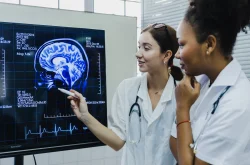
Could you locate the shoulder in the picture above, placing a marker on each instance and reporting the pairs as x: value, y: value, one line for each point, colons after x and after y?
x: 242, y: 87
x: 128, y: 86
x: 131, y: 82
x: 237, y: 99
x: 243, y: 82
x: 240, y: 91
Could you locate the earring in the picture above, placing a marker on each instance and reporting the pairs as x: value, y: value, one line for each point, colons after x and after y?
x: 169, y: 70
x: 207, y: 52
x: 165, y: 62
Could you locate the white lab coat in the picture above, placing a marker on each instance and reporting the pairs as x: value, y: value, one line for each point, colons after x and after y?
x: 153, y: 148
x: 226, y: 138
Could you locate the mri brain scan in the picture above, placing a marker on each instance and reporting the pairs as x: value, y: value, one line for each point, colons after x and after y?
x: 61, y: 63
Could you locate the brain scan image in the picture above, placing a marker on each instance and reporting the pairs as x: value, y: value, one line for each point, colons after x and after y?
x: 61, y: 63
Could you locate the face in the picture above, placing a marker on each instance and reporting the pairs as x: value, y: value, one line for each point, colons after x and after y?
x: 149, y: 57
x: 190, y: 52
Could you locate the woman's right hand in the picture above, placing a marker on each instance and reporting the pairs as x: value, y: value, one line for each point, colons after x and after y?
x: 78, y: 105
x: 187, y: 92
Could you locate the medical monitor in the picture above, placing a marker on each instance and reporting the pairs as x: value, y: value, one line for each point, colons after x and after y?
x: 35, y: 61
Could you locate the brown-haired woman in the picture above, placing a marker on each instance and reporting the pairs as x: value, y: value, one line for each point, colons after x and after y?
x: 143, y: 108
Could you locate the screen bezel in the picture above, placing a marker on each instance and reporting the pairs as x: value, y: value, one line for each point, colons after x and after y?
x: 60, y: 147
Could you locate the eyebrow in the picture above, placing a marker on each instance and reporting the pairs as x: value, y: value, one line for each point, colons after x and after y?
x: 145, y: 44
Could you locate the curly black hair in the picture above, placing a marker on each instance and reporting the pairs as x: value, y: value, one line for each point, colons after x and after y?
x: 222, y: 18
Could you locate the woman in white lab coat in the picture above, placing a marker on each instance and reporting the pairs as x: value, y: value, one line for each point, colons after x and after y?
x: 213, y: 110
x: 143, y: 108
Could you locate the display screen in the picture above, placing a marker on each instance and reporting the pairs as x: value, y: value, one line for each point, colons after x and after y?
x: 36, y: 60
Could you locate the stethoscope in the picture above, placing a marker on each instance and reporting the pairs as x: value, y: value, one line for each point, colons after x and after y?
x: 135, y: 108
x: 215, y: 105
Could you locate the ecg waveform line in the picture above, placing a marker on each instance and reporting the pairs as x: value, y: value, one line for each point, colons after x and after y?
x: 55, y: 131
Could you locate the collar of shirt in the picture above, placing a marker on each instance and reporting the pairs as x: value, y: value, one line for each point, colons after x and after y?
x: 166, y: 94
x: 229, y: 75
x: 146, y: 104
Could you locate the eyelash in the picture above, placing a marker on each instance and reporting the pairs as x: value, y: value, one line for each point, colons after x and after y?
x: 145, y: 48
x: 181, y: 46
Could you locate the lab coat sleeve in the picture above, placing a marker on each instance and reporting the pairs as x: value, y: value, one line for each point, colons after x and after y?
x: 116, y: 118
x: 174, y: 130
x: 227, y: 134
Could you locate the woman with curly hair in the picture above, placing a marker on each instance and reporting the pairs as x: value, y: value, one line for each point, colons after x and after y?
x: 213, y: 100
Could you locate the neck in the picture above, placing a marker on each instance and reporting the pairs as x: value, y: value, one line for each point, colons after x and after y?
x: 157, y: 82
x: 218, y: 65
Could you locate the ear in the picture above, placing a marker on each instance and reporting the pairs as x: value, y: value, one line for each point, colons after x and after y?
x: 211, y: 43
x: 168, y: 55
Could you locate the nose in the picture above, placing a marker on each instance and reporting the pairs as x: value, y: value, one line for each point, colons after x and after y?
x: 138, y: 54
x: 177, y: 54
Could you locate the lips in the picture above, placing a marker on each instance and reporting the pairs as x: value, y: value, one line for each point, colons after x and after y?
x: 141, y: 62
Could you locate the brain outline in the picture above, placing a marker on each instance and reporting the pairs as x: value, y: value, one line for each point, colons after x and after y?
x: 65, y: 57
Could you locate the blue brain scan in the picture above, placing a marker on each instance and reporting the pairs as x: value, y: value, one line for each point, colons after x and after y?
x: 61, y: 63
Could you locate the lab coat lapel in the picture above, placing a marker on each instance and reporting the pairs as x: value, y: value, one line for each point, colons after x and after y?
x: 142, y: 93
x: 166, y: 96
x: 227, y: 77
x: 206, y: 104
x: 143, y: 97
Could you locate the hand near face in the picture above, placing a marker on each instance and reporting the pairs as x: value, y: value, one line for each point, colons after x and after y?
x: 187, y: 92
x: 78, y: 105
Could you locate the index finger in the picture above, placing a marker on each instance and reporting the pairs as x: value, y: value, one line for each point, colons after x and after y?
x: 79, y: 95
x: 190, y: 80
